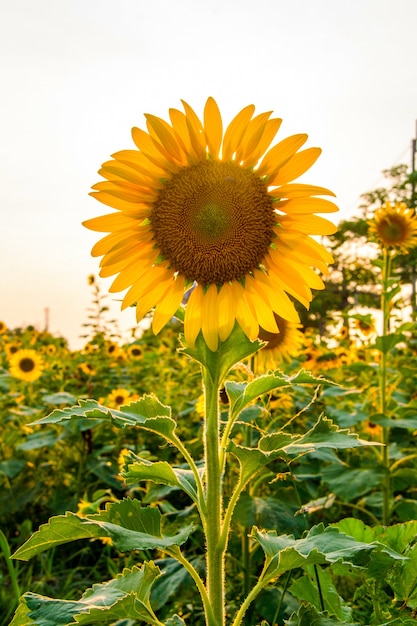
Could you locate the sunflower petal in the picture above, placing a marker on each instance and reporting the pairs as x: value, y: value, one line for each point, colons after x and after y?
x: 213, y: 127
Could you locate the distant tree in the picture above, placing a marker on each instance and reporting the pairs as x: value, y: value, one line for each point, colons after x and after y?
x: 353, y: 277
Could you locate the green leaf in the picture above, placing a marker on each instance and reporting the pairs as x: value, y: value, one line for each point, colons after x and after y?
x: 126, y: 596
x: 404, y: 580
x: 61, y: 397
x: 160, y: 472
x: 306, y: 589
x: 242, y: 394
x: 126, y: 523
x: 385, y: 343
x: 148, y: 413
x: 284, y: 553
x: 307, y: 615
x: 350, y: 483
x: 324, y: 434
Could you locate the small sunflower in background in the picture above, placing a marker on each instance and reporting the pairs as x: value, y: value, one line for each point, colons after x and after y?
x: 26, y: 365
x: 119, y: 397
x: 87, y: 368
x: 217, y: 211
x: 394, y: 226
x: 281, y: 346
x: 12, y: 348
x: 134, y: 351
x: 365, y: 324
x: 3, y: 327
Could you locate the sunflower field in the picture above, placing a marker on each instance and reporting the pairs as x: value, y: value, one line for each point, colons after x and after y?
x: 248, y: 459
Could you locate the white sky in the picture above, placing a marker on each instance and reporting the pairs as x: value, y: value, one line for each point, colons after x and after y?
x: 76, y: 75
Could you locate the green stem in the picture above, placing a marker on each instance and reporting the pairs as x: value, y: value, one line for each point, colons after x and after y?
x: 12, y: 571
x: 262, y: 582
x: 386, y: 484
x: 201, y: 504
x: 215, y: 552
x: 178, y: 555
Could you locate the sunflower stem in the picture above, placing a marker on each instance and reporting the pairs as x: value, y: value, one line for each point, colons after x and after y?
x: 215, y: 549
x: 386, y: 481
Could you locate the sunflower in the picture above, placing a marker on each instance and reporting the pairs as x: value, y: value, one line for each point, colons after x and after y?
x: 217, y: 211
x: 26, y: 365
x: 120, y: 396
x: 365, y: 324
x: 87, y: 369
x: 134, y: 351
x: 3, y: 327
x: 280, y: 346
x: 394, y: 226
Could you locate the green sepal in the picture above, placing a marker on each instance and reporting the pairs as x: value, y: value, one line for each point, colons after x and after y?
x: 129, y: 525
x: 126, y: 596
x: 237, y: 347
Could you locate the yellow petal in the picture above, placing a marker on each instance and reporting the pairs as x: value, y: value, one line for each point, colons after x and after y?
x: 299, y: 206
x: 270, y: 130
x: 213, y: 127
x: 110, y: 222
x: 308, y: 224
x: 245, y: 312
x: 209, y: 318
x: 278, y: 155
x: 166, y: 309
x: 276, y: 299
x: 235, y: 131
x: 195, y: 130
x: 252, y: 136
x: 300, y: 190
x: 116, y: 203
x: 192, y: 319
x: 298, y: 164
x: 166, y: 136
x: 226, y: 310
x: 136, y: 160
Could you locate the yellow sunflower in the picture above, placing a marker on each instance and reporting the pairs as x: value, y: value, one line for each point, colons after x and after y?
x: 216, y: 211
x: 394, y: 226
x: 26, y: 364
x: 281, y: 346
x: 365, y: 324
x: 134, y: 351
x: 3, y: 327
x: 120, y: 396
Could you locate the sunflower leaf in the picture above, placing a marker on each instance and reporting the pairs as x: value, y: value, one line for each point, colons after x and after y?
x: 321, y: 545
x: 148, y: 413
x: 126, y: 523
x: 160, y: 472
x: 126, y: 596
x: 324, y: 434
x: 242, y: 394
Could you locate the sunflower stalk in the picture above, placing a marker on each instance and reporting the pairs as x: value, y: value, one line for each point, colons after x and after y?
x: 215, y: 549
x: 385, y: 306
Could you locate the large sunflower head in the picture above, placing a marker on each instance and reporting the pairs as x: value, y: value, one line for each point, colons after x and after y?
x: 394, y: 226
x: 218, y: 211
x: 26, y: 365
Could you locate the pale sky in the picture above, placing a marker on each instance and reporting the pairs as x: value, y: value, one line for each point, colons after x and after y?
x: 76, y: 75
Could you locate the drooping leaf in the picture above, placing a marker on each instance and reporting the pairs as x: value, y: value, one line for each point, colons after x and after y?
x: 305, y: 588
x: 126, y: 596
x: 148, y: 413
x: 126, y: 523
x: 308, y: 615
x: 404, y: 579
x: 242, y: 394
x: 160, y: 472
x: 320, y: 545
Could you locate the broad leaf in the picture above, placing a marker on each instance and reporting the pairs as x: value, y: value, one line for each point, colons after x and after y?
x: 242, y: 394
x: 161, y: 472
x: 306, y: 589
x: 126, y: 596
x: 148, y: 413
x: 307, y: 615
x: 126, y: 523
x: 404, y: 580
x: 284, y: 553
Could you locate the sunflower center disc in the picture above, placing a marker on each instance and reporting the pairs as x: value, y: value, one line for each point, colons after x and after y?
x: 392, y: 231
x: 213, y: 222
x: 26, y: 365
x: 274, y: 339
